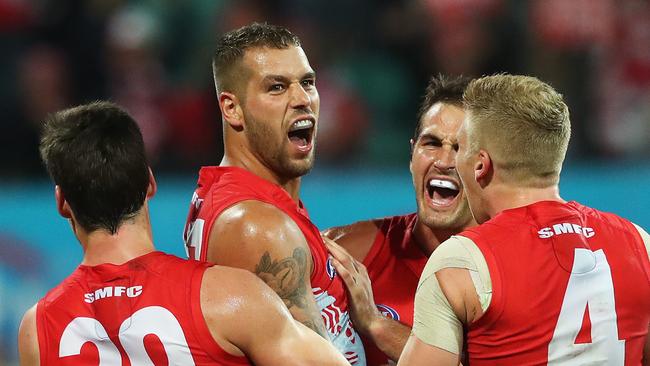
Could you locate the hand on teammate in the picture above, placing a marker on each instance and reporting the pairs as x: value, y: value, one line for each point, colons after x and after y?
x: 363, y: 310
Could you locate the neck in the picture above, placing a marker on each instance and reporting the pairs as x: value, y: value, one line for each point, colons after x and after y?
x: 133, y: 239
x: 255, y: 166
x: 503, y: 197
x: 428, y: 239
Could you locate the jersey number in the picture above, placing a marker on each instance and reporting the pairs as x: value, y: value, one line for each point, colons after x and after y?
x: 154, y: 320
x: 590, y: 287
x: 194, y: 239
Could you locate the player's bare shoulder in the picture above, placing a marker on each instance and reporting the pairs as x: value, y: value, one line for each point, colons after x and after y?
x: 252, y: 215
x: 356, y: 238
x: 28, y: 339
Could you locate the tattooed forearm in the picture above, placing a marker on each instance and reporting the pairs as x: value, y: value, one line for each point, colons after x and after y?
x: 286, y: 276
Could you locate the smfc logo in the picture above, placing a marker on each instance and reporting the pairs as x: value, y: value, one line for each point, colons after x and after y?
x: 566, y: 228
x: 388, y: 312
x: 329, y: 268
x: 112, y: 291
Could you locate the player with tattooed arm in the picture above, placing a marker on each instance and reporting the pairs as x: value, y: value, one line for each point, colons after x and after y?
x: 247, y: 212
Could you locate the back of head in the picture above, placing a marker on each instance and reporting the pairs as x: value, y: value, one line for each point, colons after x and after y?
x: 95, y: 154
x: 226, y: 63
x: 524, y: 125
x: 441, y: 89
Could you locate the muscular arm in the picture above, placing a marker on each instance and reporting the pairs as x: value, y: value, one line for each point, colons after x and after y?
x: 458, y: 305
x: 262, y: 239
x: 28, y: 340
x: 352, y: 244
x: 447, y: 299
x: 246, y: 317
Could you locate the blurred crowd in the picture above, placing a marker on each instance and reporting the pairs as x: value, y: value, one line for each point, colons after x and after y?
x: 373, y: 59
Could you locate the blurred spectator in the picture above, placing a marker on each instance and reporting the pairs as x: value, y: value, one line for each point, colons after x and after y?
x: 623, y: 81
x: 372, y: 59
x: 136, y: 77
x: 42, y: 88
x: 343, y: 123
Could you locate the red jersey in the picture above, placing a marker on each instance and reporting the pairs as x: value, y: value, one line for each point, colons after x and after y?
x: 394, y: 265
x: 222, y: 187
x: 571, y: 286
x: 143, y: 312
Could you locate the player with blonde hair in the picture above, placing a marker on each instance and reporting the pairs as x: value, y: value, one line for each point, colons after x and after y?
x: 540, y: 280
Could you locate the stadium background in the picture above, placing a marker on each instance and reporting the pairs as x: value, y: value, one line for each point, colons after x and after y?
x: 373, y: 59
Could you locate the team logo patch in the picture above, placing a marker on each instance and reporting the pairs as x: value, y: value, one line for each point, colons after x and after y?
x: 388, y: 312
x: 329, y: 267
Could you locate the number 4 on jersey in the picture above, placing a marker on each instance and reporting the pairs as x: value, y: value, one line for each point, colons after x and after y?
x: 590, y: 289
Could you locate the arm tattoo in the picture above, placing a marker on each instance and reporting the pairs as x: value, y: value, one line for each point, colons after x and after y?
x: 286, y: 276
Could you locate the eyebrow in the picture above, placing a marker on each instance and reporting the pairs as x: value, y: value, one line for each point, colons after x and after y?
x: 284, y: 79
x: 427, y: 135
x: 435, y: 137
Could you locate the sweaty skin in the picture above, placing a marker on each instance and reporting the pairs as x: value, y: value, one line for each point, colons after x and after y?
x: 279, y: 91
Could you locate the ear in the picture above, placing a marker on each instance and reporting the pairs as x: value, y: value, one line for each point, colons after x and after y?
x: 231, y: 110
x: 153, y: 187
x: 483, y: 168
x: 412, y: 146
x: 61, y: 204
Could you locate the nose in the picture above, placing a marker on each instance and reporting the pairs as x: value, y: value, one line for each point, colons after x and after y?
x: 446, y: 159
x: 299, y: 96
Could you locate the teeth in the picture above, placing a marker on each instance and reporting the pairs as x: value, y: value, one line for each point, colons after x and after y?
x: 437, y: 183
x: 301, y: 125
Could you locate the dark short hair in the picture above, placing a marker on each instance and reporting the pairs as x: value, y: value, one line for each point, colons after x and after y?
x: 444, y: 89
x: 232, y: 45
x: 95, y: 154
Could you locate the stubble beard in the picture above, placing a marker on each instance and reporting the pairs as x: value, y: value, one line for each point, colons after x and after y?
x: 455, y: 220
x: 261, y: 138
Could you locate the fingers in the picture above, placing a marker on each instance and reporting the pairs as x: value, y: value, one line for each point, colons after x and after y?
x: 344, y: 273
x: 345, y: 263
x: 341, y: 255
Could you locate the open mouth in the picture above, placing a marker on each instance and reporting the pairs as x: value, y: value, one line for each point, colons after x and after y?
x: 301, y: 133
x: 442, y: 192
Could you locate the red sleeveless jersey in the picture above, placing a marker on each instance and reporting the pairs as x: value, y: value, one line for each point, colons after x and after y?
x: 571, y: 286
x: 394, y: 265
x: 222, y: 187
x: 143, y: 312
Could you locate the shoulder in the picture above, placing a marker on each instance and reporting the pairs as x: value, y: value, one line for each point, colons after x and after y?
x: 255, y: 213
x: 28, y: 338
x: 360, y: 230
x: 251, y: 231
x: 457, y: 252
x: 256, y: 220
x: 356, y: 238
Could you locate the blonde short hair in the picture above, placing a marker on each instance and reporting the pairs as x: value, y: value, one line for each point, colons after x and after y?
x: 524, y: 125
